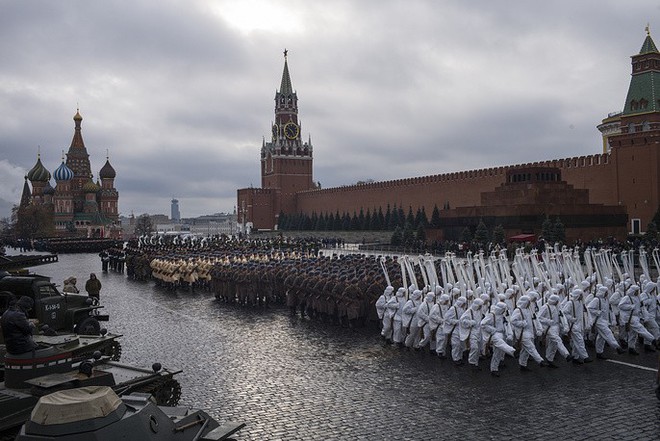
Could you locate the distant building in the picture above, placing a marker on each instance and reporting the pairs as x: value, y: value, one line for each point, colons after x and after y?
x: 176, y: 215
x: 79, y: 205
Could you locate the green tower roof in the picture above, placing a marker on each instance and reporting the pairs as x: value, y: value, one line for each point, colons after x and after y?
x: 642, y: 94
x: 648, y: 46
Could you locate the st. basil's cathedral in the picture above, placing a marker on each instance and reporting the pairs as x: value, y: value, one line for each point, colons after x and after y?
x: 79, y: 205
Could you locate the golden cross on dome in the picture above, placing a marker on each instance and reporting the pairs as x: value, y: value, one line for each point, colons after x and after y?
x: 285, y: 52
x: 648, y: 29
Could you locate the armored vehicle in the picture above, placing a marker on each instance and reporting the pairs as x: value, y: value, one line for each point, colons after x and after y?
x: 64, y: 363
x: 61, y: 312
x: 97, y: 413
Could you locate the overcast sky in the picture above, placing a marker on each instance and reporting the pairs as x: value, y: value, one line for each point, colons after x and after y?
x: 181, y: 92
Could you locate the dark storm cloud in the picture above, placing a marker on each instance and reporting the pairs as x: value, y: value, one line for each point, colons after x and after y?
x: 181, y: 93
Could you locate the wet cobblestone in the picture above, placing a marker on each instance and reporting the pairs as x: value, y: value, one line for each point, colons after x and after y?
x: 295, y: 379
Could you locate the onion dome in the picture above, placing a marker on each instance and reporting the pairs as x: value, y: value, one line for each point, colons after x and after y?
x: 63, y: 173
x: 38, y: 173
x: 90, y: 187
x: 107, y: 172
x: 48, y: 189
x: 77, y: 116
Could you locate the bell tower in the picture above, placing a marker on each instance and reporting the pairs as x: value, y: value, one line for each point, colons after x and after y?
x: 286, y: 161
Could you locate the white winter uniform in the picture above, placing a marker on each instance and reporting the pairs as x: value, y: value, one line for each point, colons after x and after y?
x: 470, y: 330
x: 574, y: 311
x: 437, y: 321
x: 424, y: 322
x: 524, y: 331
x: 450, y: 328
x: 550, y: 319
x: 396, y: 304
x: 630, y: 310
x: 602, y: 316
x: 493, y: 333
x: 649, y: 307
x: 381, y: 310
x: 410, y: 319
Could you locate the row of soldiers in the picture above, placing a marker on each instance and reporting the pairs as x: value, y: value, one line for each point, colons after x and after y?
x: 336, y: 288
x: 497, y: 319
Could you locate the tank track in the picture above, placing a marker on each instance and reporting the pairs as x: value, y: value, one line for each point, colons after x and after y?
x: 166, y: 391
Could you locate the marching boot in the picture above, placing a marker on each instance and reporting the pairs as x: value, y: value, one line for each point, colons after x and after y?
x: 649, y: 348
x: 633, y: 351
x: 600, y: 356
x: 524, y: 369
x: 494, y: 374
x: 620, y: 350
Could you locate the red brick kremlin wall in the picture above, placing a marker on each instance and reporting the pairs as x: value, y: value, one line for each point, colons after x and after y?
x: 595, y: 173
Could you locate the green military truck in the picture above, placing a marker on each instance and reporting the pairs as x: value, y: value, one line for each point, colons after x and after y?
x: 62, y: 312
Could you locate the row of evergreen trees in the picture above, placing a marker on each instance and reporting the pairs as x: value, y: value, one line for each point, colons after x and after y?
x: 374, y: 220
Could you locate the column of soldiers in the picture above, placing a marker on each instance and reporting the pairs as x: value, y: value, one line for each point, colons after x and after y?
x: 481, y: 305
x: 486, y: 306
x: 339, y: 289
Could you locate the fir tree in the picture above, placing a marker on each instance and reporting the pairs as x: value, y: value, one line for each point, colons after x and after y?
x: 466, y: 235
x: 360, y: 220
x: 402, y: 217
x: 408, y: 235
x: 435, y: 217
x: 481, y: 234
x: 498, y: 234
x: 651, y: 231
x: 420, y: 234
x: 346, y: 222
x: 382, y: 224
x: 368, y: 218
x: 387, y: 224
x: 410, y: 218
x: 394, y: 219
x: 548, y: 230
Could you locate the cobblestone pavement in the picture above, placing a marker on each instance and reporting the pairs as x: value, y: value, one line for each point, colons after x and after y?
x: 296, y: 379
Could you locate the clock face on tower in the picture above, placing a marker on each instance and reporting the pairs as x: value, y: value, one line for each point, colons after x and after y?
x: 291, y: 130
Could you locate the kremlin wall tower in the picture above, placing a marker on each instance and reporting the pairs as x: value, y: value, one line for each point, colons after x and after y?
x: 79, y: 205
x: 608, y: 194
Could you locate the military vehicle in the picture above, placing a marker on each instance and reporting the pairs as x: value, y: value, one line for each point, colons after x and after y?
x: 97, y: 413
x: 60, y: 311
x: 64, y: 363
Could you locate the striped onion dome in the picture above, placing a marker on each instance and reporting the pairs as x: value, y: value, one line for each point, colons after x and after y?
x: 38, y: 173
x: 63, y: 173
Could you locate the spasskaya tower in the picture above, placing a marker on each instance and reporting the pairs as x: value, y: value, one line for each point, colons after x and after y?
x: 286, y: 164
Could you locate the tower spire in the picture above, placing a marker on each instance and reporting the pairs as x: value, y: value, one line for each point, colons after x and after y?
x: 286, y: 88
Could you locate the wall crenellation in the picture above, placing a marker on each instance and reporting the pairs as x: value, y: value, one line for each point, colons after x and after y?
x: 598, y: 159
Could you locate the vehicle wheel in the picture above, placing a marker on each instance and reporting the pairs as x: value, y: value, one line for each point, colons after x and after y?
x: 88, y: 326
x: 113, y: 350
x: 168, y: 393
